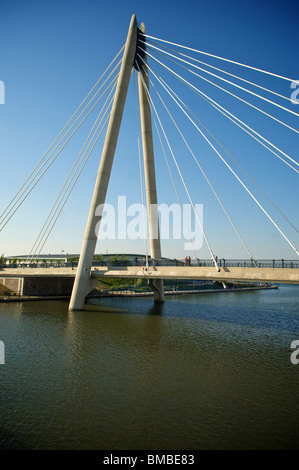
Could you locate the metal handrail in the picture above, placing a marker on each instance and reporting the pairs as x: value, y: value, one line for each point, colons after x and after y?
x: 275, y: 263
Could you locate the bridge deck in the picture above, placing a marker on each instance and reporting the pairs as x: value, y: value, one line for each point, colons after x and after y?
x: 281, y: 275
x: 249, y: 274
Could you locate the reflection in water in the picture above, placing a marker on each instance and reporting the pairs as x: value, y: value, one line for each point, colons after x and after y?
x: 156, y: 309
x: 197, y: 372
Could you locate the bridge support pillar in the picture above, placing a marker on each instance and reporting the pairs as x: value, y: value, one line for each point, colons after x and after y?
x: 82, y: 280
x: 157, y: 287
x: 150, y: 178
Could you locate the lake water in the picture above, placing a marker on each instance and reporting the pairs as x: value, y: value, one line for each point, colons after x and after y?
x: 209, y: 371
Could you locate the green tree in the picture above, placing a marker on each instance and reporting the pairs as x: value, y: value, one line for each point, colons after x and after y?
x: 117, y: 260
x: 124, y: 261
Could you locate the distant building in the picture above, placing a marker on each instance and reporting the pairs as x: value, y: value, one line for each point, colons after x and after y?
x: 67, y: 257
x: 24, y: 259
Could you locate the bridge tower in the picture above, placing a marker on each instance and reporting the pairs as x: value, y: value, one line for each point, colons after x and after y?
x: 83, y: 283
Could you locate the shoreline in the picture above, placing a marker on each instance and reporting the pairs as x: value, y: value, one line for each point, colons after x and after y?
x: 15, y: 298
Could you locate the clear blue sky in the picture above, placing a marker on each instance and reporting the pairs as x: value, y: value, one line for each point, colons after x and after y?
x: 51, y: 54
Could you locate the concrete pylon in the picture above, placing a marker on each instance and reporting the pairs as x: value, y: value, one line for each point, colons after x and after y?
x: 82, y: 284
x: 150, y: 176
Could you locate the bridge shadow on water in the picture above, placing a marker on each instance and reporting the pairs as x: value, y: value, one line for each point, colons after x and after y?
x: 274, y: 309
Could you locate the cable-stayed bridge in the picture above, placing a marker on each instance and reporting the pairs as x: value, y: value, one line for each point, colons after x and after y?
x: 153, y: 59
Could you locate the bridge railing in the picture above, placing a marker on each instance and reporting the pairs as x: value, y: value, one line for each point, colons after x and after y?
x: 239, y: 263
